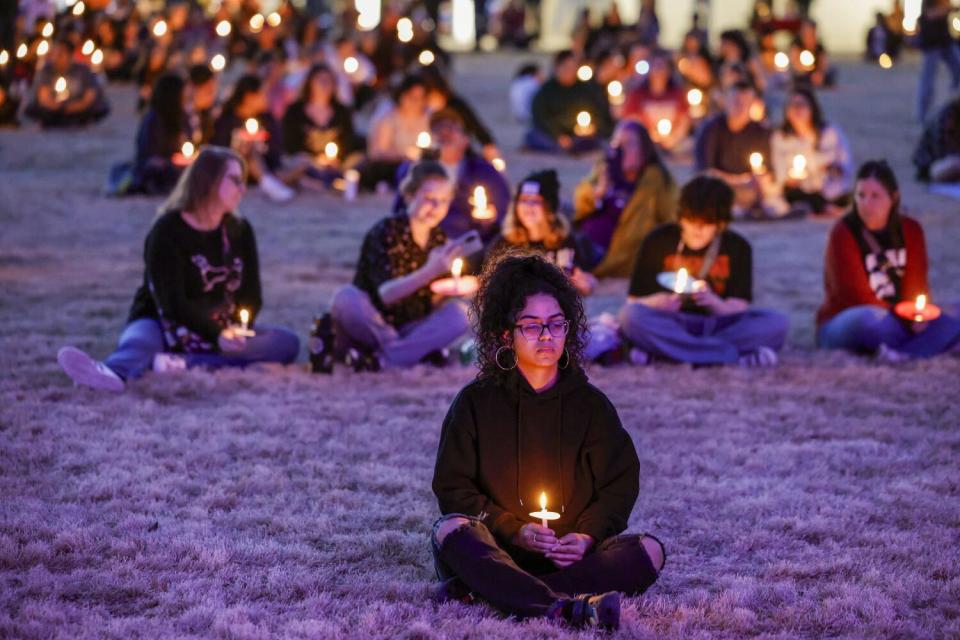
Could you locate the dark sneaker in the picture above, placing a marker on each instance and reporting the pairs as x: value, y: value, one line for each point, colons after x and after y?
x: 439, y: 358
x: 321, y: 345
x: 362, y: 360
x: 453, y: 590
x: 600, y: 611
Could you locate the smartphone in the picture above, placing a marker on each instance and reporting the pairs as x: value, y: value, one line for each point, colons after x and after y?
x: 470, y: 242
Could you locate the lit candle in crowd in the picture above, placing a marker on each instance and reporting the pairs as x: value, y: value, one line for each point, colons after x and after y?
x: 244, y: 320
x: 97, y: 58
x: 694, y: 97
x: 455, y: 270
x: 758, y: 110
x: 87, y: 47
x: 781, y: 60
x: 60, y: 87
x: 544, y: 516
x: 274, y: 19
x: 256, y: 22
x: 43, y: 48
x: 79, y: 8
x: 426, y: 57
x: 404, y: 30
x: 187, y: 149
x: 159, y: 29
x: 252, y: 126
x: 351, y: 65
x: 642, y: 67
x: 47, y: 30
x: 584, y: 73
x: 583, y: 127
x: 680, y: 286
x: 224, y: 28
x: 331, y: 150
x: 756, y: 162
x: 499, y: 164
x: 22, y: 51
x: 4, y: 57
x: 885, y: 61
x: 351, y: 184
x: 798, y: 168
x: 218, y: 62
x: 664, y: 127
x: 807, y: 59
x: 919, y: 306
x: 615, y: 89
x: 481, y: 206
x: 423, y: 140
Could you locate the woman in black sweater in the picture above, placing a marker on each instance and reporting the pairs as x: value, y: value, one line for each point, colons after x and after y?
x: 317, y: 118
x: 162, y: 132
x: 532, y: 431
x: 201, y: 285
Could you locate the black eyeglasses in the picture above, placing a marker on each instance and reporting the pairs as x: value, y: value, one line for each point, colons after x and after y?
x: 534, y: 330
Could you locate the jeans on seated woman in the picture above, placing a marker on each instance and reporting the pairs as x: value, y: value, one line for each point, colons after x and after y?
x: 865, y: 328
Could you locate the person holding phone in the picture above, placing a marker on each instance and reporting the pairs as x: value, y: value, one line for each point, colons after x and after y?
x: 389, y: 317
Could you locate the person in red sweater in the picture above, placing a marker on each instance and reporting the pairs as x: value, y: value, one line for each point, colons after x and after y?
x: 875, y: 258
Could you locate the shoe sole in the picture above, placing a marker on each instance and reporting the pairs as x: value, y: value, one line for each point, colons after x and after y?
x: 608, y: 612
x: 82, y: 369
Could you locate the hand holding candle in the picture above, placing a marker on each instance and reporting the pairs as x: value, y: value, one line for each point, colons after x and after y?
x: 185, y: 155
x: 482, y: 210
x: 584, y: 124
x: 756, y: 163
x: 244, y: 329
x: 543, y: 515
x: 798, y: 168
x: 919, y: 311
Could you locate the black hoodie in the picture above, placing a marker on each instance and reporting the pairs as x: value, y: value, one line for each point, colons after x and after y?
x: 502, y: 444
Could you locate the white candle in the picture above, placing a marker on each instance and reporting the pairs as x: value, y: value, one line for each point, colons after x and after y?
x: 499, y: 164
x: 481, y: 206
x: 224, y: 28
x: 60, y: 86
x: 426, y: 57
x: 274, y: 19
x: 244, y: 319
x: 756, y: 162
x: 331, y: 150
x: 781, y: 60
x: 423, y: 140
x: 584, y: 73
x: 351, y: 64
x: 680, y: 286
x: 544, y: 515
x: 456, y: 269
x: 694, y: 97
x: 252, y: 126
x: 798, y: 169
x: 919, y: 307
x: 159, y: 29
x: 664, y: 127
x: 807, y: 59
x: 218, y: 62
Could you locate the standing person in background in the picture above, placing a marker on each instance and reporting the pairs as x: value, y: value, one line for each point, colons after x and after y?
x: 556, y: 107
x: 875, y: 258
x: 938, y: 46
x: 201, y: 270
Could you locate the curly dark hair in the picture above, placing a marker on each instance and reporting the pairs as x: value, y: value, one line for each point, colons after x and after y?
x: 505, y: 284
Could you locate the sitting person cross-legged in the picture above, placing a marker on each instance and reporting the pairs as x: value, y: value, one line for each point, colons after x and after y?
x: 66, y: 93
x: 389, y: 316
x: 875, y: 258
x: 531, y: 433
x: 715, y: 324
x: 202, y: 273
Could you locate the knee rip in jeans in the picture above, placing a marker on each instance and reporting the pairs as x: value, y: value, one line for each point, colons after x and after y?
x: 448, y: 526
x: 655, y: 550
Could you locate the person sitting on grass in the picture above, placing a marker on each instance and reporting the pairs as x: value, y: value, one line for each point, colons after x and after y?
x: 394, y: 133
x: 557, y: 105
x: 714, y: 323
x: 163, y: 130
x: 937, y: 156
x: 875, y: 258
x: 660, y: 104
x: 389, y: 316
x: 629, y: 192
x: 202, y: 270
x: 532, y: 432
x: 202, y: 89
x: 533, y: 224
x: 66, y: 93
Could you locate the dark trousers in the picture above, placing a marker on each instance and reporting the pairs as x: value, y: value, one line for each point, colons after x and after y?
x: 473, y: 554
x: 51, y: 119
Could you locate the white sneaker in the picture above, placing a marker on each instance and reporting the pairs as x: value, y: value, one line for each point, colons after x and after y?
x: 275, y: 189
x: 890, y: 355
x: 84, y: 370
x: 168, y: 363
x: 762, y: 358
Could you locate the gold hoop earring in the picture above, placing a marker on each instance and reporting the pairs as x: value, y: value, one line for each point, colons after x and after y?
x: 567, y: 363
x: 496, y: 358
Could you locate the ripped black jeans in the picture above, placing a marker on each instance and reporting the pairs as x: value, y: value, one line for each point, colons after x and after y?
x: 527, y: 584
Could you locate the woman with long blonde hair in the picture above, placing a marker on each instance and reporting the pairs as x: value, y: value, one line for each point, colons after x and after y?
x: 201, y: 287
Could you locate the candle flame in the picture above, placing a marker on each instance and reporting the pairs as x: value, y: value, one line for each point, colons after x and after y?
x: 756, y: 160
x: 426, y: 57
x: 274, y: 19
x: 480, y: 198
x: 807, y: 58
x: 615, y: 89
x: 330, y: 150
x: 921, y: 303
x: 423, y: 140
x: 681, y: 284
x: 187, y: 149
x: 781, y: 60
x: 159, y: 29
x: 256, y: 22
x: 97, y: 57
x: 42, y: 48
x: 351, y: 64
x: 664, y: 127
x: 499, y: 164
x: 695, y: 97
x: 218, y: 62
x: 87, y: 48
x: 584, y: 73
x: 224, y: 28
x: 244, y: 317
x: 47, y: 30
x: 4, y: 57
x: 60, y: 85
x: 78, y: 9
x: 885, y: 61
x: 22, y: 51
x: 583, y: 119
x: 543, y: 500
x: 799, y: 163
x: 404, y: 30
x: 642, y: 67
x: 252, y: 126
x: 457, y: 267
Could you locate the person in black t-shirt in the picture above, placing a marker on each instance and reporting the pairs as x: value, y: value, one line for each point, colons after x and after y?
x: 201, y: 284
x: 724, y: 147
x: 533, y: 224
x: 389, y: 316
x: 716, y: 323
x: 161, y: 134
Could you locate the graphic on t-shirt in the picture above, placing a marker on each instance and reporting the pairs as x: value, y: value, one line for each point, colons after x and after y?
x: 717, y: 276
x: 211, y: 276
x: 878, y: 271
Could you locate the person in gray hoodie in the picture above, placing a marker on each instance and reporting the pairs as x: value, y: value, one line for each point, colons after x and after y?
x: 531, y: 432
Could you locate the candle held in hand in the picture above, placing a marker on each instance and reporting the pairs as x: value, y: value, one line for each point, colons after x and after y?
x: 756, y: 162
x: 543, y: 515
x: 331, y: 150
x: 798, y: 169
x: 481, y: 206
x: 244, y: 319
x: 919, y: 307
x: 456, y: 269
x: 252, y: 126
x: 681, y: 284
